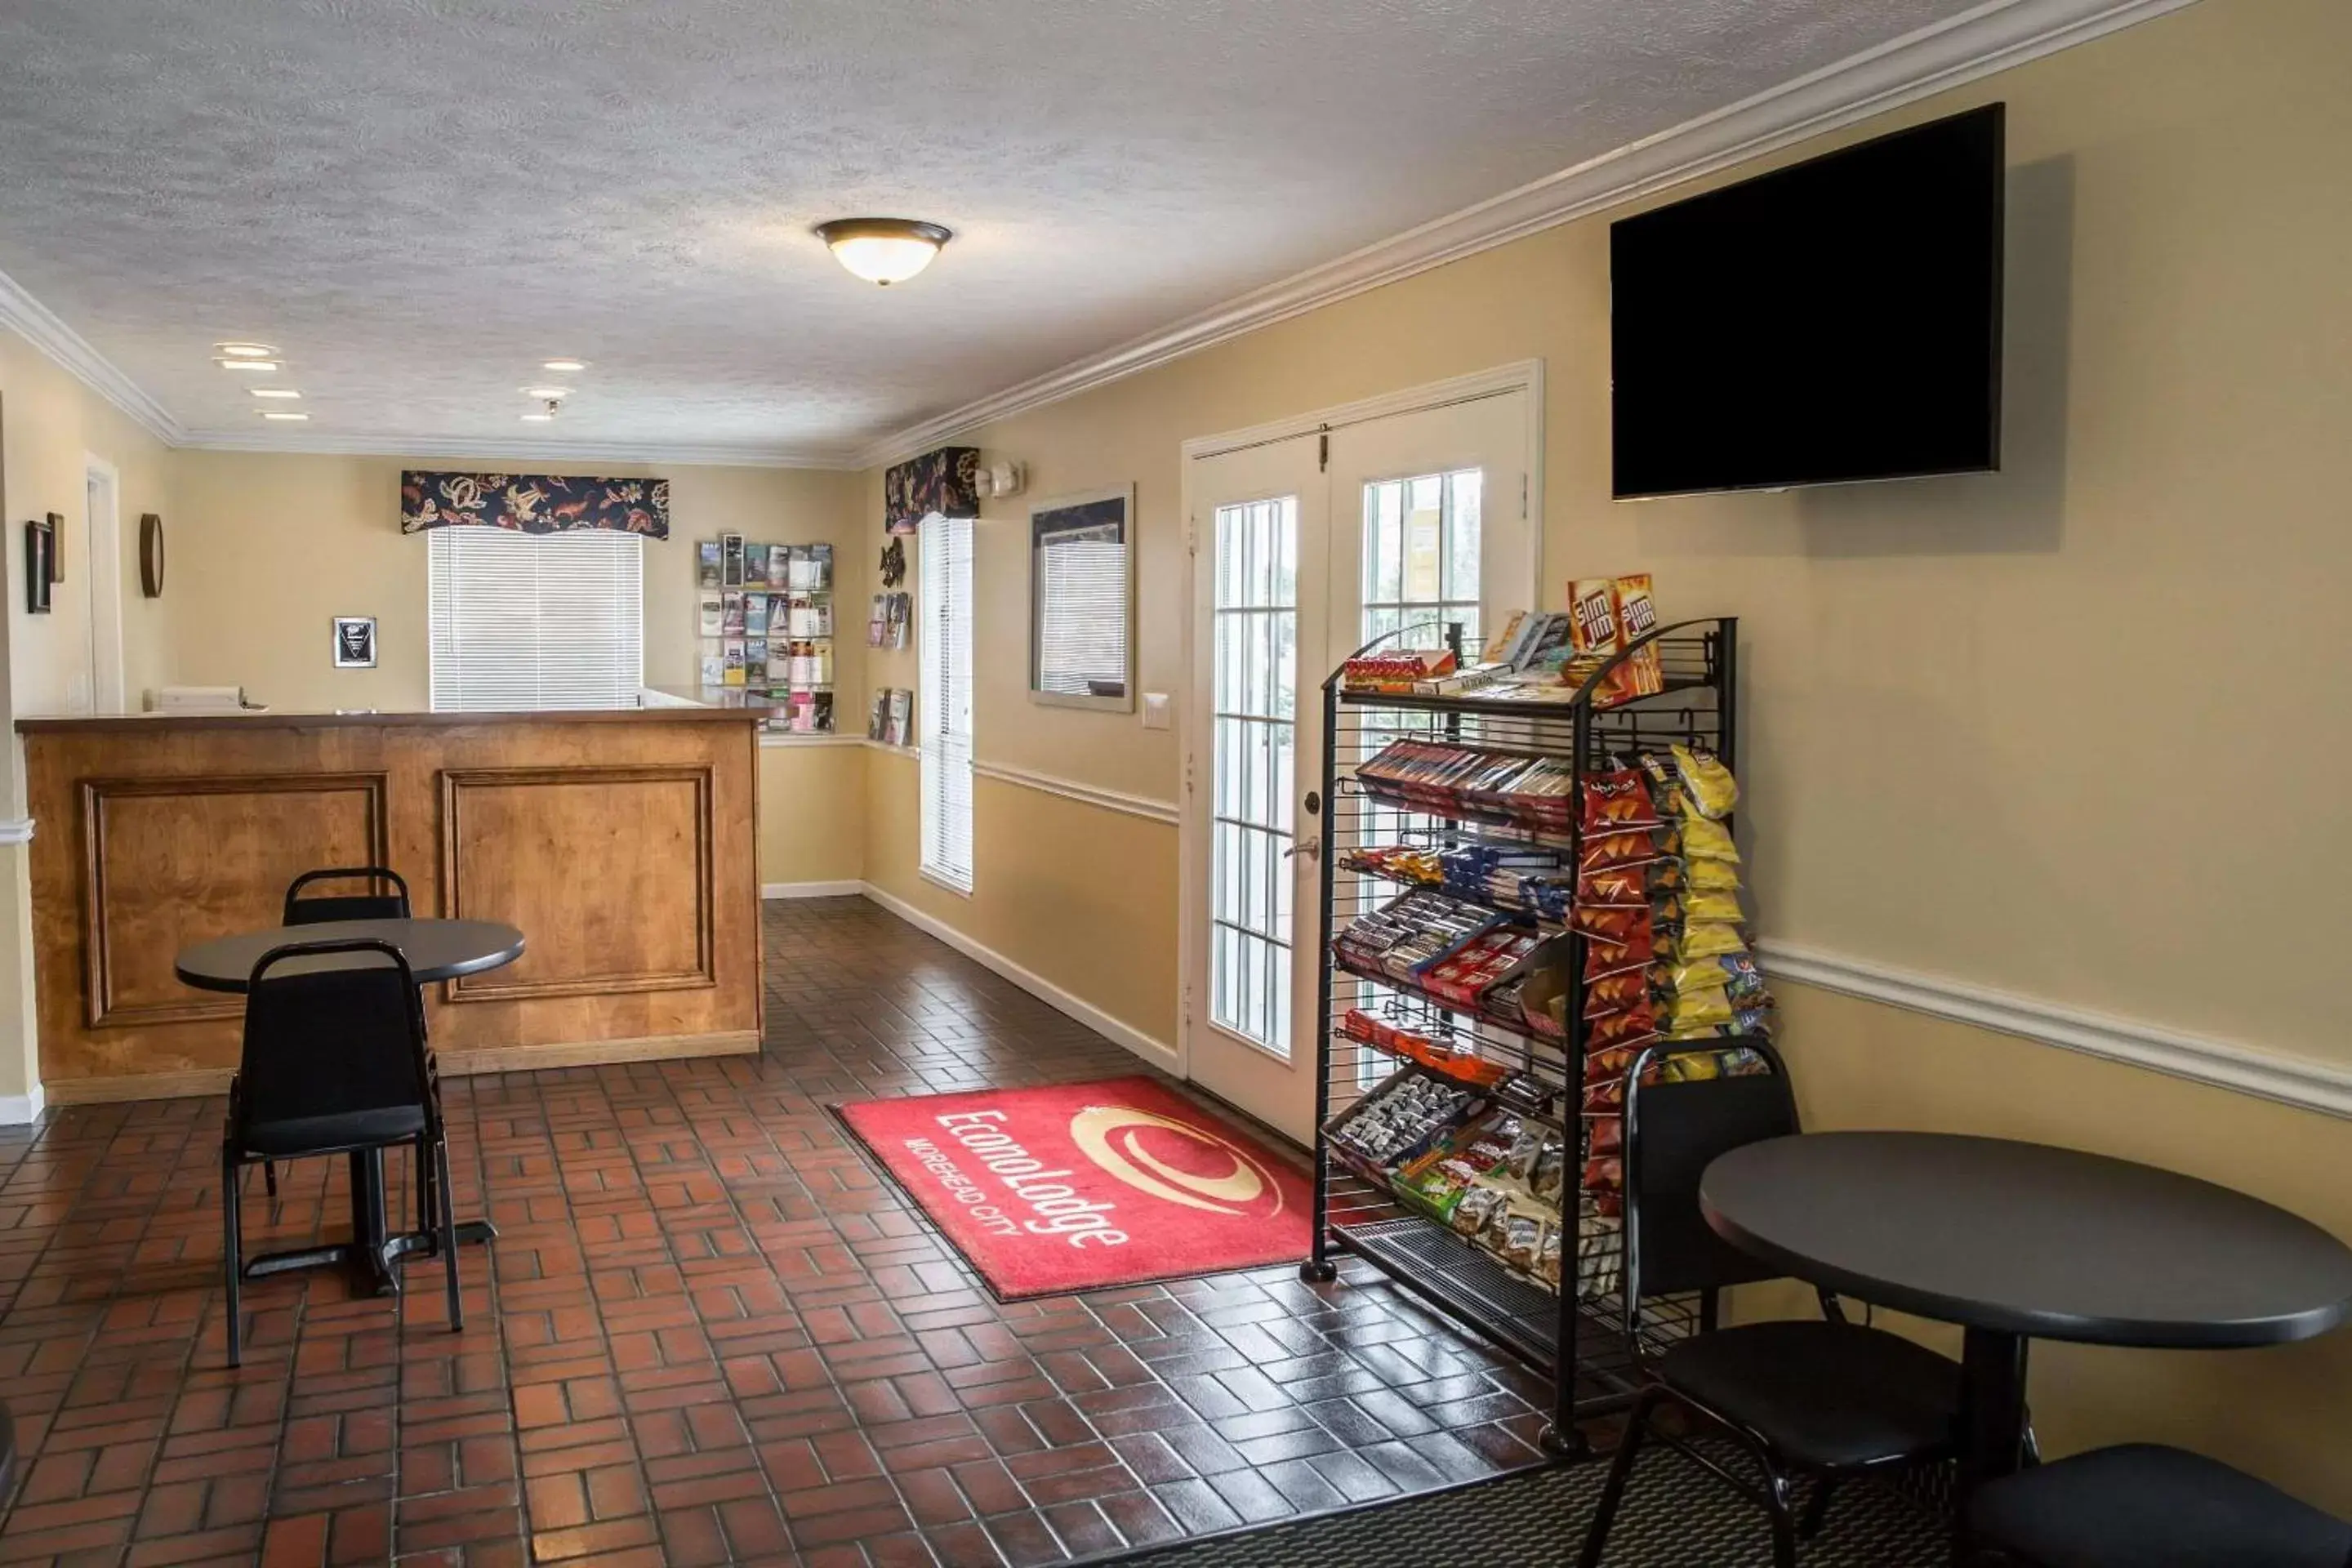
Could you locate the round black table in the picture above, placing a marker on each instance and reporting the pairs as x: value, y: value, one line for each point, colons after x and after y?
x: 2017, y: 1241
x: 435, y: 950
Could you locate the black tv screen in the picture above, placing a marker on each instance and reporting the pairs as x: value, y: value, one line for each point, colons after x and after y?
x: 1838, y: 320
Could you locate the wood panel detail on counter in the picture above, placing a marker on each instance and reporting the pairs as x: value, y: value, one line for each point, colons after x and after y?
x: 624, y: 850
x: 607, y: 869
x: 170, y: 861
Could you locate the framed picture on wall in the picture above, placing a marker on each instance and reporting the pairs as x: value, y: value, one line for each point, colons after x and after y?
x: 354, y: 642
x: 1082, y: 600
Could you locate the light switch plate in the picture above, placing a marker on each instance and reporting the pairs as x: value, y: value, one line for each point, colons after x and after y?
x: 1155, y: 710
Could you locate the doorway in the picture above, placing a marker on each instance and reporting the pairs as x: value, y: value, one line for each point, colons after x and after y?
x: 1308, y: 539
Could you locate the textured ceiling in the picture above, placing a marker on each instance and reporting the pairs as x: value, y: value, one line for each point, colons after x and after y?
x: 418, y: 200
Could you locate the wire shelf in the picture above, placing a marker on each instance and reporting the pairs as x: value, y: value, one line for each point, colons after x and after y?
x: 1577, y: 1327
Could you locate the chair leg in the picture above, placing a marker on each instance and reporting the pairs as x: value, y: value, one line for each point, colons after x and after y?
x: 1637, y: 1426
x: 423, y: 1156
x: 448, y: 1217
x: 232, y: 1250
x: 1810, y: 1524
x: 1784, y: 1525
x: 269, y: 1177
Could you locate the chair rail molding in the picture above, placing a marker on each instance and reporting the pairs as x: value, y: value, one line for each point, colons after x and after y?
x: 15, y: 830
x: 1989, y: 37
x: 2304, y: 1082
x: 1140, y: 805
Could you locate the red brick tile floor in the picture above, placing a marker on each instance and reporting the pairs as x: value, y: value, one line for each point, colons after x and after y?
x: 708, y: 1333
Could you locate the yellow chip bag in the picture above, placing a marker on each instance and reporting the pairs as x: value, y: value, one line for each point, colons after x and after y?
x: 1717, y: 905
x: 1707, y: 839
x: 1707, y: 784
x: 1712, y: 875
x: 1708, y: 939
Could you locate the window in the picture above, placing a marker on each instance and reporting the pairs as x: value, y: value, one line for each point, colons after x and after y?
x: 1081, y: 582
x: 945, y: 680
x: 1420, y: 556
x: 523, y: 621
x: 1254, y: 650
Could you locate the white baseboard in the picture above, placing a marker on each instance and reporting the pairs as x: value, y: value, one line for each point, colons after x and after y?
x: 2301, y: 1081
x: 22, y: 1109
x: 1158, y: 1053
x: 849, y: 890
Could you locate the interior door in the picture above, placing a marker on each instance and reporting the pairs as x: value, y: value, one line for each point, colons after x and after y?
x: 1259, y: 525
x: 1303, y: 550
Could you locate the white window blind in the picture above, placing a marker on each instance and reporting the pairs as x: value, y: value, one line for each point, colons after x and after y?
x: 945, y: 695
x: 523, y: 621
x: 1082, y: 613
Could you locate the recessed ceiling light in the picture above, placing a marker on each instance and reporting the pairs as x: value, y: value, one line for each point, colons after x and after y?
x: 245, y: 350
x: 538, y: 418
x: 285, y: 391
x: 883, y: 250
x: 260, y: 364
x: 565, y: 366
x: 281, y: 414
x: 547, y: 393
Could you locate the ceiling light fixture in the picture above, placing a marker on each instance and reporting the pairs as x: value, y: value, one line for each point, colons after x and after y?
x: 266, y: 365
x: 279, y: 414
x: 285, y: 391
x: 245, y: 350
x: 883, y: 250
x: 564, y: 366
x: 548, y: 394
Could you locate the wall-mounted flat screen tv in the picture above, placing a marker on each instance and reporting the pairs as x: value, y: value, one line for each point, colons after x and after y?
x: 1836, y: 321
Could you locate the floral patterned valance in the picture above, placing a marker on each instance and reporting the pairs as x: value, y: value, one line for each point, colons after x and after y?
x: 533, y: 503
x: 946, y: 481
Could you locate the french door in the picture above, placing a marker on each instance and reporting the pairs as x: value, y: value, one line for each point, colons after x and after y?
x: 1306, y: 546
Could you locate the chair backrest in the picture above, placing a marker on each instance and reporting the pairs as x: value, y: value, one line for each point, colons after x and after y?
x: 334, y: 1040
x: 1672, y: 1132
x: 372, y: 905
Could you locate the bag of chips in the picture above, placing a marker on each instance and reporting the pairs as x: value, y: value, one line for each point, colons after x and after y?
x: 1707, y: 939
x: 1711, y: 876
x: 1616, y: 992
x: 1602, y: 956
x: 1475, y: 1207
x: 1711, y: 905
x: 1626, y: 846
x: 1612, y: 1029
x: 1704, y: 839
x: 1733, y: 973
x: 1632, y: 882
x: 1549, y: 1172
x: 1618, y: 802
x: 1706, y: 784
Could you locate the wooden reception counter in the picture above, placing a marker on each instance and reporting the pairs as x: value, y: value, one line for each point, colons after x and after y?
x: 621, y: 843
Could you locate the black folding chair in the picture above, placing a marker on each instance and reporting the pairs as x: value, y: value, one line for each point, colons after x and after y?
x: 1828, y: 1399
x: 335, y: 1063
x: 376, y: 904
x: 2144, y: 1506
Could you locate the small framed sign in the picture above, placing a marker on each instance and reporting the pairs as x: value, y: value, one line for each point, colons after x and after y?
x: 354, y: 642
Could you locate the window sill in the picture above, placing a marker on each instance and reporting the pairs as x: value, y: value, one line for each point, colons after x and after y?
x: 938, y: 878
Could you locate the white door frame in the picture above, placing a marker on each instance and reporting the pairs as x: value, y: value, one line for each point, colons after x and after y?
x: 102, y: 565
x: 1192, y: 728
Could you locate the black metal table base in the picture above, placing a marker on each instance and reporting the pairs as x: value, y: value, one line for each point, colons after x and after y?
x: 373, y: 1247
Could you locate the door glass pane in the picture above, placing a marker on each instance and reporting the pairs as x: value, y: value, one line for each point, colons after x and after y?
x: 1421, y: 558
x: 1254, y: 646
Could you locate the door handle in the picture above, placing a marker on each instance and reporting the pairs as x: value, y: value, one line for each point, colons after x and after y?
x: 1311, y: 847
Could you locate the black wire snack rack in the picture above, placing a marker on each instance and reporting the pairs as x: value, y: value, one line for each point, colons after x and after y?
x: 1452, y: 1010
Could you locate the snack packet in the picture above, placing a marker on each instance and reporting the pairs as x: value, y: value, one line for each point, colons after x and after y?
x: 1707, y: 839
x: 1708, y: 939
x: 1712, y: 905
x: 1620, y: 846
x: 1611, y: 1030
x: 1618, y: 801
x: 1593, y: 616
x: 1475, y: 1207
x: 1616, y: 992
x: 1706, y: 784
x: 1640, y: 673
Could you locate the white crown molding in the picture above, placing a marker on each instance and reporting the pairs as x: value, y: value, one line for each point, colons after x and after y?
x: 1158, y: 1053
x: 15, y: 830
x: 712, y: 454
x: 2301, y: 1081
x: 1071, y: 789
x: 45, y: 330
x: 1993, y: 36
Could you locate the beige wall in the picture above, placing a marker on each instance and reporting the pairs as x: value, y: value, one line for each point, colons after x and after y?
x: 268, y: 548
x: 813, y: 810
x: 2026, y: 730
x: 51, y: 427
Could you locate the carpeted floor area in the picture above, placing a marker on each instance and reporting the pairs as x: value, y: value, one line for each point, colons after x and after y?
x: 1675, y: 1515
